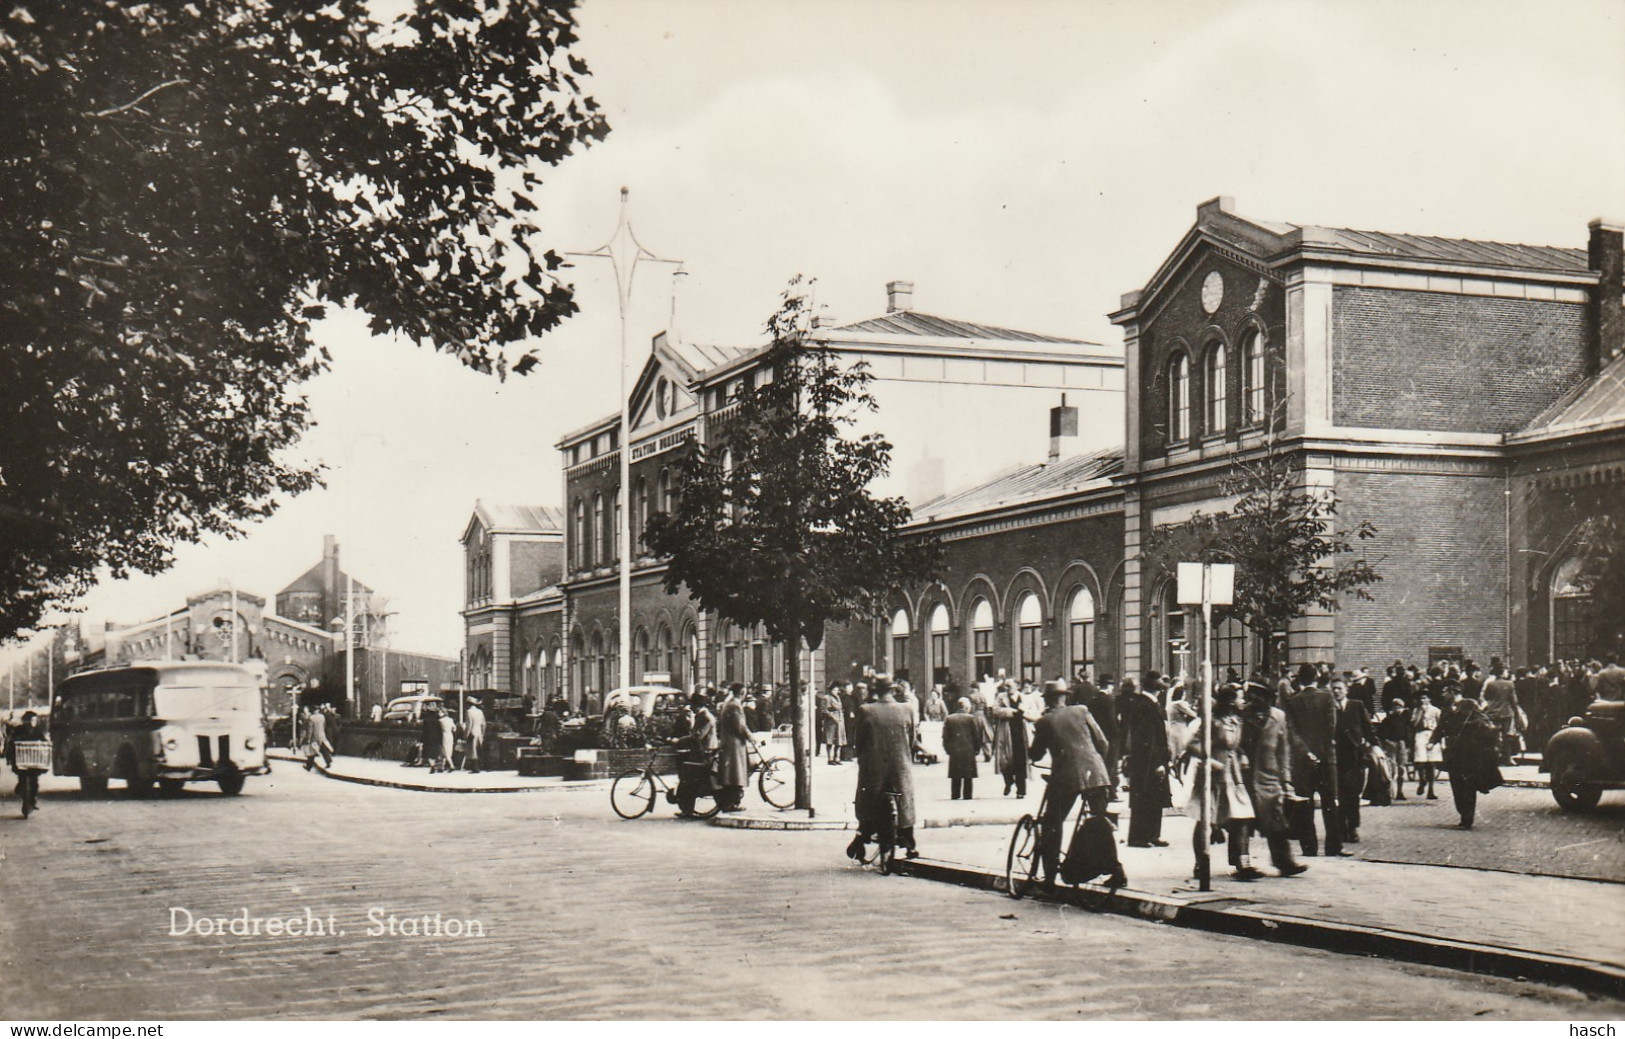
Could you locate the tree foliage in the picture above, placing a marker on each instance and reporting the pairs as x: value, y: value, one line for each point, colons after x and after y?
x: 774, y: 522
x: 1283, y: 538
x: 1600, y: 545
x: 185, y: 186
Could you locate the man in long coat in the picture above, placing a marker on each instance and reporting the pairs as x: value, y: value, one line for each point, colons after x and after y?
x: 733, y: 757
x: 1144, y: 732
x: 1072, y: 737
x: 695, y: 751
x: 884, y: 741
x: 1268, y: 766
x: 961, y: 741
x: 1311, y: 716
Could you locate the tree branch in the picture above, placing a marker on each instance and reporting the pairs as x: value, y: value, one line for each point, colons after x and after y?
x: 104, y: 113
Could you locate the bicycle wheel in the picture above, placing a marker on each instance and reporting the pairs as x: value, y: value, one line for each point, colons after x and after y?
x: 776, y: 782
x: 1021, y: 864
x: 632, y: 794
x: 706, y: 805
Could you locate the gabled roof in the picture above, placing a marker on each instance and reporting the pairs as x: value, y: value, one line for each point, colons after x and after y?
x: 911, y: 322
x: 1273, y: 244
x: 1593, y: 405
x: 311, y: 581
x: 517, y: 519
x: 1027, y: 484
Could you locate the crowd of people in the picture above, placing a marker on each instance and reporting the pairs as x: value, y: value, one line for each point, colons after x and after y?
x: 1294, y: 756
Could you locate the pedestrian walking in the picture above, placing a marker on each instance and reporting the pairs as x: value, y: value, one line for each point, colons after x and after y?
x: 1354, y: 742
x: 448, y: 742
x: 1144, y: 731
x: 1470, y: 755
x: 962, y: 742
x: 1398, y: 740
x: 832, y: 723
x: 1427, y: 755
x: 1009, y: 742
x: 1229, y: 808
x: 474, y: 735
x: 884, y: 741
x: 1311, y: 716
x: 1266, y: 768
x: 316, y: 740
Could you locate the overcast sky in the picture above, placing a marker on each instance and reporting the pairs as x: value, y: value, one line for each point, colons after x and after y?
x: 1023, y: 163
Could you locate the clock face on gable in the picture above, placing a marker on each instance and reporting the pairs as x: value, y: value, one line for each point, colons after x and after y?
x: 1212, y: 291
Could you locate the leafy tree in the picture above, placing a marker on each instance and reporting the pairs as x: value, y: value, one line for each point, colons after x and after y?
x: 774, y: 523
x: 1283, y: 539
x: 1601, y: 546
x: 185, y: 185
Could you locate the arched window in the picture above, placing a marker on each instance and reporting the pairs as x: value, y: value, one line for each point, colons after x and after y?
x: 1179, y: 398
x: 578, y: 669
x: 598, y: 556
x: 1215, y: 376
x: 1080, y: 633
x: 1232, y: 646
x: 614, y: 533
x: 663, y: 492
x: 897, y: 663
x: 640, y: 511
x: 662, y: 652
x: 981, y: 639
x: 1252, y: 378
x: 1571, y: 612
x: 940, y: 628
x: 525, y: 676
x: 1030, y: 638
x: 595, y: 653
x: 581, y: 541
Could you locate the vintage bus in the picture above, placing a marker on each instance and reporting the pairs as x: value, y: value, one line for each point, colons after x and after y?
x: 167, y: 722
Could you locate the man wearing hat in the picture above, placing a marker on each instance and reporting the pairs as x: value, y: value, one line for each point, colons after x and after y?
x: 1144, y: 731
x: 962, y: 741
x: 1072, y: 737
x: 1311, y: 716
x: 884, y: 740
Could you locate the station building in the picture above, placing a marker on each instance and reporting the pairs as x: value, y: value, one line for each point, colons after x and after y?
x: 1466, y: 397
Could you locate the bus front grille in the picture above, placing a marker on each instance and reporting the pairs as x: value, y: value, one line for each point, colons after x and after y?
x: 225, y: 750
x: 205, y: 755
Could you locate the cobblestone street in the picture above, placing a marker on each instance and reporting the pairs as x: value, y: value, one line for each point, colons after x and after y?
x: 587, y: 916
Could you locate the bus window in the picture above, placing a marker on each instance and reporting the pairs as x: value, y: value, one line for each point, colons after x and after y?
x: 194, y: 701
x: 124, y: 702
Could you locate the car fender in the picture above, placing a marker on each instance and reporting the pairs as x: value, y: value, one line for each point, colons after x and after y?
x: 1574, y: 743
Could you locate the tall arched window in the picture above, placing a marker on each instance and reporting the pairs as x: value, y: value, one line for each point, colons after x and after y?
x: 595, y: 652
x: 1030, y: 638
x: 897, y: 663
x: 525, y: 676
x: 1232, y: 646
x: 940, y: 628
x: 981, y: 639
x: 1252, y: 378
x: 641, y: 661
x: 640, y: 512
x: 1215, y: 376
x: 662, y: 652
x: 663, y: 492
x: 582, y: 543
x: 614, y: 532
x: 1179, y: 398
x: 598, y: 556
x: 1080, y: 633
x: 1571, y: 613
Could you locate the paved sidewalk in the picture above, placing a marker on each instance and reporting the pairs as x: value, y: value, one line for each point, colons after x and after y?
x: 374, y: 772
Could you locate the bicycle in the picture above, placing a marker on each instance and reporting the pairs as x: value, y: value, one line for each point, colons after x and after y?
x: 1025, y: 856
x: 884, y: 857
x: 632, y: 795
x: 775, y: 777
x: 31, y: 756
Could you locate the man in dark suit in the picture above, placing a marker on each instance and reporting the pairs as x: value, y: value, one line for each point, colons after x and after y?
x: 1354, y: 738
x: 1074, y: 740
x: 1143, y: 728
x: 884, y: 740
x: 1103, y: 706
x: 1312, y: 723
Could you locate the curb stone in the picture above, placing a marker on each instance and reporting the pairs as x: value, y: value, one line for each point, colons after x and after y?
x: 1223, y: 914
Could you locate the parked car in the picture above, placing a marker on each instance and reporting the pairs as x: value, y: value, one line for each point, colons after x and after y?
x: 410, y: 708
x: 659, y: 707
x: 1587, y: 756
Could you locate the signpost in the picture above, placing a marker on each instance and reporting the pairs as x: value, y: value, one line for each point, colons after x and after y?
x: 1206, y: 585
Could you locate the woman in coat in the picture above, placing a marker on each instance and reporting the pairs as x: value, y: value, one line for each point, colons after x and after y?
x: 1009, y: 742
x: 832, y: 723
x: 1426, y: 755
x: 1232, y: 809
x: 733, y: 757
x: 962, y: 742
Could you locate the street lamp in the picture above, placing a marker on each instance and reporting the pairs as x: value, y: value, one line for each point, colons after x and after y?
x: 624, y: 252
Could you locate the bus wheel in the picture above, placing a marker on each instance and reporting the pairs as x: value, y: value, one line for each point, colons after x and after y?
x: 231, y: 783
x: 170, y: 787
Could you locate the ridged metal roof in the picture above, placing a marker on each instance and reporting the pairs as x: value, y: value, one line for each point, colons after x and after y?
x: 1461, y: 250
x: 1028, y: 483
x: 521, y: 517
x: 1597, y: 402
x: 910, y: 322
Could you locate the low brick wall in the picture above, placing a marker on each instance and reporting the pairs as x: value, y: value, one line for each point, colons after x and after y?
x: 611, y: 763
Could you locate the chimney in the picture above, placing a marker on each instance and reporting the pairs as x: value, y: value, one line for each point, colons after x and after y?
x: 899, y: 296
x: 1063, y: 429
x: 1607, y: 309
x: 330, y: 580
